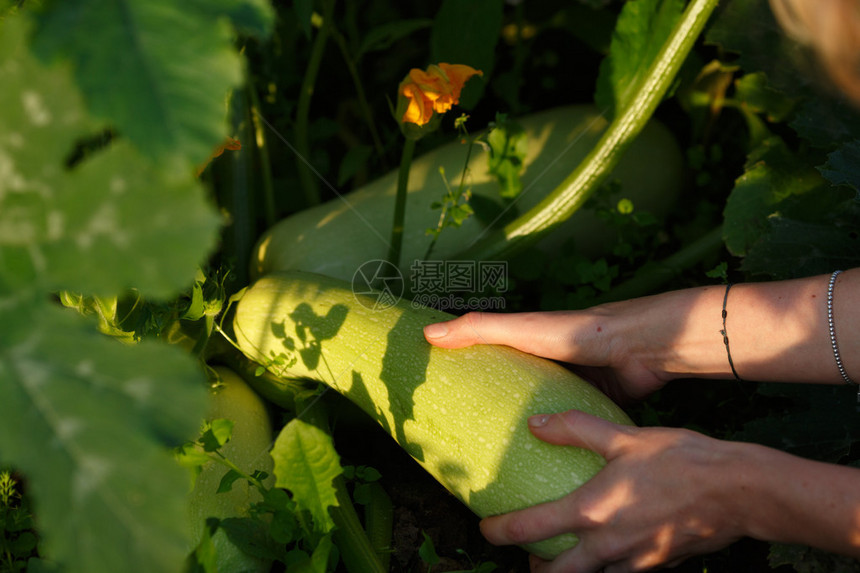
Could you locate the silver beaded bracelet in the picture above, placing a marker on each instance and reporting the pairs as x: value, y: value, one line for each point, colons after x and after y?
x: 832, y: 328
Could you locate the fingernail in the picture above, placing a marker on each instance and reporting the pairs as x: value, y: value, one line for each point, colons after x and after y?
x: 538, y: 421
x: 436, y: 330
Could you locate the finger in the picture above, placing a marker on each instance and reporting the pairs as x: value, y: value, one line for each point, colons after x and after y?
x: 528, y: 525
x: 547, y: 334
x: 582, y: 430
x: 578, y: 559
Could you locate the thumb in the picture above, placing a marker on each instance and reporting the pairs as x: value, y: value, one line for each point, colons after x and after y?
x: 582, y: 430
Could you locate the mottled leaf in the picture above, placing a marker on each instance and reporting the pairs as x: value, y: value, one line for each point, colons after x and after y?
x: 113, y: 221
x: 158, y: 71
x: 90, y: 422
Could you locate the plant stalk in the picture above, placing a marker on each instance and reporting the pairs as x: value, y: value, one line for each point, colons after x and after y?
x: 396, y: 244
x: 359, y: 91
x: 587, y: 177
x: 259, y: 133
x: 310, y: 185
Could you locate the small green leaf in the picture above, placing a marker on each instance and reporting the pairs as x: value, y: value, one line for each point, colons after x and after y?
x: 217, y: 434
x: 508, y: 148
x: 227, y: 480
x: 306, y: 463
x: 427, y: 551
x: 369, y: 474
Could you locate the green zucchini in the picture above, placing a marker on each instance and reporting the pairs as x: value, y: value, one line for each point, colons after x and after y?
x: 335, y: 238
x: 248, y: 448
x: 460, y: 413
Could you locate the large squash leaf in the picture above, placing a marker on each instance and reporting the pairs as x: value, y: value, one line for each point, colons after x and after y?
x: 157, y: 70
x: 89, y: 421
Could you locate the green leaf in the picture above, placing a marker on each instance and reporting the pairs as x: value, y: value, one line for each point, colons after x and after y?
x: 251, y: 536
x: 843, y: 166
x: 90, y: 422
x: 793, y: 248
x: 306, y: 463
x: 640, y: 32
x: 252, y: 17
x: 427, y: 551
x: 508, y: 148
x: 157, y: 70
x: 217, y: 434
x: 803, y: 559
x: 381, y: 37
x: 467, y: 33
x: 817, y: 422
x: 114, y: 221
x: 759, y: 96
x: 748, y: 28
x: 772, y: 174
x: 226, y: 483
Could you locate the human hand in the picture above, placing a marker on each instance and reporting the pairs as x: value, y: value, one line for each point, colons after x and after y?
x: 591, y: 340
x: 664, y: 495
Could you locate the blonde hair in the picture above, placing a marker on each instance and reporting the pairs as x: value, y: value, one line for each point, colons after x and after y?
x: 831, y: 28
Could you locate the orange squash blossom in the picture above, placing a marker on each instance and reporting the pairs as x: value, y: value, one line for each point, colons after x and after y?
x: 433, y: 91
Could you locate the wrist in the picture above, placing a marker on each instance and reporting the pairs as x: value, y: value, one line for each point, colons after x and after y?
x: 783, y: 498
x: 677, y: 334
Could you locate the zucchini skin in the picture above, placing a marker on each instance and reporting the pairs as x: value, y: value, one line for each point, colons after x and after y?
x: 335, y: 238
x: 248, y: 448
x: 460, y: 413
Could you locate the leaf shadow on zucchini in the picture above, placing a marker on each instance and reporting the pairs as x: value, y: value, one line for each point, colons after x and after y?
x: 312, y: 329
x: 402, y: 405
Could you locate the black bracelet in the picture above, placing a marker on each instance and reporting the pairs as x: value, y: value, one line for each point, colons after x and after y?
x: 725, y: 334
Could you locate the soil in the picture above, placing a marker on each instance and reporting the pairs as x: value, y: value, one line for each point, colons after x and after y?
x: 421, y: 504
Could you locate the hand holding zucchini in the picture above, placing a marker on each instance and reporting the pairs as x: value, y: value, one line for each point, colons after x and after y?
x: 460, y: 413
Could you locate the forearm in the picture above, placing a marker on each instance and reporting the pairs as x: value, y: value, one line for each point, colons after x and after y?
x: 793, y: 500
x: 777, y: 331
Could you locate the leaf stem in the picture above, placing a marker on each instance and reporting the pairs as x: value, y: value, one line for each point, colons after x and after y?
x: 308, y: 180
x: 396, y: 243
x: 359, y: 88
x: 586, y: 178
x: 265, y: 162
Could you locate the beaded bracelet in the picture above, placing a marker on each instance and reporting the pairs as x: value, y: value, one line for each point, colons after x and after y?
x: 832, y: 327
